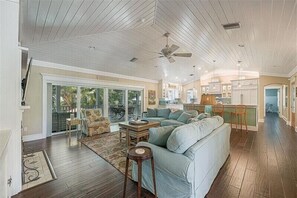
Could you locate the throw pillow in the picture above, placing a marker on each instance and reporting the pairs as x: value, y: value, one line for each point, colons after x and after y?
x: 201, y: 116
x: 193, y: 113
x: 158, y: 136
x: 151, y: 112
x: 164, y: 113
x: 175, y: 115
x: 184, y: 117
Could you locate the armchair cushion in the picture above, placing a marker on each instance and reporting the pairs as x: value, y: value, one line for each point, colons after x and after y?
x: 95, y: 123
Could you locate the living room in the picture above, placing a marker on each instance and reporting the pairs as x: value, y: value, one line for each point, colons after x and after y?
x: 129, y: 58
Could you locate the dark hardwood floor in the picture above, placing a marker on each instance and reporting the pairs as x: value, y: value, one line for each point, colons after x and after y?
x: 261, y: 164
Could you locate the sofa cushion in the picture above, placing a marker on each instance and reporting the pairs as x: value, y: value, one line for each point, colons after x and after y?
x: 175, y: 114
x: 186, y: 135
x: 171, y: 123
x: 151, y: 112
x: 154, y: 119
x: 164, y: 113
x: 184, y: 117
x: 159, y: 135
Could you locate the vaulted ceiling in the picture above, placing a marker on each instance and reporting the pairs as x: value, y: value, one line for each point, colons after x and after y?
x: 105, y: 34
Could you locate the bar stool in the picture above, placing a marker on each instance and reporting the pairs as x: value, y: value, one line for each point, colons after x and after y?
x: 218, y: 109
x: 240, y: 112
x: 139, y: 154
x: 122, y: 132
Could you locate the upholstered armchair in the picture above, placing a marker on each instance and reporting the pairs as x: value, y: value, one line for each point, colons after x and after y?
x: 93, y: 122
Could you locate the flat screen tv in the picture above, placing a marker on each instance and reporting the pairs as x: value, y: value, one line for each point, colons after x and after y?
x: 25, y: 82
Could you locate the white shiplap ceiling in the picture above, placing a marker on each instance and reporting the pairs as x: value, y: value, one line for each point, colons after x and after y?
x: 61, y: 31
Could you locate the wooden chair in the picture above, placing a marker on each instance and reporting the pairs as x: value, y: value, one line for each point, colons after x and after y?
x: 218, y: 109
x: 240, y: 112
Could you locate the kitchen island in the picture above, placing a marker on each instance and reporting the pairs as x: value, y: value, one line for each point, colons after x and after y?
x: 252, y: 113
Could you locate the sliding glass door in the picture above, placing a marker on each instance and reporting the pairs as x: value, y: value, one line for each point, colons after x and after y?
x: 134, y: 104
x: 115, y: 103
x: 92, y: 98
x: 64, y: 102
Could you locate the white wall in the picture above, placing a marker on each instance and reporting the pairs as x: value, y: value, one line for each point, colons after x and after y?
x: 10, y: 89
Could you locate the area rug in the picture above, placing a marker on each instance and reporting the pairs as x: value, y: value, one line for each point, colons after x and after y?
x: 37, y: 169
x: 109, y: 147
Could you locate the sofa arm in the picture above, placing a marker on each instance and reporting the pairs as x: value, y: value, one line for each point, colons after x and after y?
x: 174, y: 164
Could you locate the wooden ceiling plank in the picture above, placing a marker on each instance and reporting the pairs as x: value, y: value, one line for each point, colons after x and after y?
x: 79, y: 14
x: 63, y: 10
x: 85, y: 19
x: 126, y: 15
x: 113, y: 5
x: 143, y: 12
x: 71, y: 13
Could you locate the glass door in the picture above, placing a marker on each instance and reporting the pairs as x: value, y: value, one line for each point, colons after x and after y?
x: 116, y: 105
x: 134, y: 104
x: 92, y: 98
x: 64, y: 100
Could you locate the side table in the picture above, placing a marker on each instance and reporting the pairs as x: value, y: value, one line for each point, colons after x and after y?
x: 69, y: 123
x: 139, y: 154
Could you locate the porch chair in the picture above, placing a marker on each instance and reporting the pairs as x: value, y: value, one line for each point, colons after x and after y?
x: 93, y: 122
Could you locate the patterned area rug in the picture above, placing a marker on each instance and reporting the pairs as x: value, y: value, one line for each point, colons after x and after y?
x: 109, y: 147
x: 37, y: 169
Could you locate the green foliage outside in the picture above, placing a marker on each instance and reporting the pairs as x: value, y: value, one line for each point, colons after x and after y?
x: 68, y: 97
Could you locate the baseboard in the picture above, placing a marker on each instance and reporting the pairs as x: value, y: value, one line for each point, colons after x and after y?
x: 250, y: 128
x: 261, y: 120
x: 27, y: 138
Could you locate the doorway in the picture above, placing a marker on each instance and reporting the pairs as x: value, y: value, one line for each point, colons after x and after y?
x: 273, y: 100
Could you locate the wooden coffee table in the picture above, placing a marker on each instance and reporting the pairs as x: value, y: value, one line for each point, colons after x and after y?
x: 137, y: 131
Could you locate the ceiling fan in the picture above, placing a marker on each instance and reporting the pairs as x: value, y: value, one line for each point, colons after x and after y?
x: 168, y: 52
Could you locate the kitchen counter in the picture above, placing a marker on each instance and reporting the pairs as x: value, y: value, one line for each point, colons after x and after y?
x: 252, y: 113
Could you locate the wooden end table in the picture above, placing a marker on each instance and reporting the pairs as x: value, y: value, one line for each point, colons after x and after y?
x: 139, y: 154
x: 69, y: 123
x: 137, y: 131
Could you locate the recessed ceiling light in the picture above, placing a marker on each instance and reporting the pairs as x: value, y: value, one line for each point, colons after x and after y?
x: 176, y: 77
x: 185, y: 79
x: 206, y: 71
x: 199, y: 68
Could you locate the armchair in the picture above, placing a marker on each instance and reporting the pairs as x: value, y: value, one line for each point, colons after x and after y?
x: 93, y: 122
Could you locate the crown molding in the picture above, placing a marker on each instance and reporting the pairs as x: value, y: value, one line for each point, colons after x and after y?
x: 89, y: 71
x: 274, y: 74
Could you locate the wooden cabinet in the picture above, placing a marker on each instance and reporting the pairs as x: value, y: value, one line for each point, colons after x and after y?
x: 226, y: 90
x: 245, y: 92
x: 215, y: 88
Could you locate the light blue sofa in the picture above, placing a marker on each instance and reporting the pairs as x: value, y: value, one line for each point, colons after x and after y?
x: 189, y: 162
x: 166, y: 117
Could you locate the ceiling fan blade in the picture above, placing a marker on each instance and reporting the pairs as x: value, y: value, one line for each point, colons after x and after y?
x: 170, y: 59
x: 172, y: 48
x: 183, y: 54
